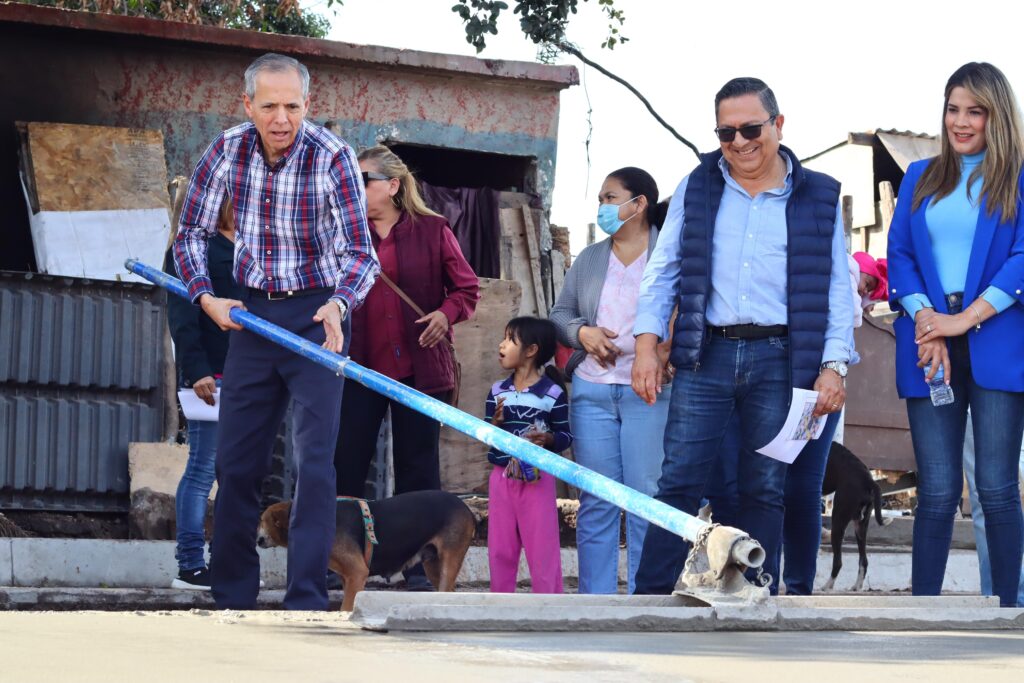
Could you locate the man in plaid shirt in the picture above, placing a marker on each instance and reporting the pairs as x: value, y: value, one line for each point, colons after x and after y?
x: 304, y: 256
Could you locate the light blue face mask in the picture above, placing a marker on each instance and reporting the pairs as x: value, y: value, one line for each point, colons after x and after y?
x: 608, y: 217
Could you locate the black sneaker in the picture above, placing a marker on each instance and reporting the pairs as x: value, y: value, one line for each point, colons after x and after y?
x: 193, y: 579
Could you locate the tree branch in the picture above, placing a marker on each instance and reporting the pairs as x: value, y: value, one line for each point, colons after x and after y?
x: 575, y: 52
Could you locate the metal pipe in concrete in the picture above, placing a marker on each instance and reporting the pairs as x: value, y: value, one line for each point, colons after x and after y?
x: 653, y: 511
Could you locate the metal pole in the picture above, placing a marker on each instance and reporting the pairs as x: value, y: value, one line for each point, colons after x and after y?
x: 653, y: 511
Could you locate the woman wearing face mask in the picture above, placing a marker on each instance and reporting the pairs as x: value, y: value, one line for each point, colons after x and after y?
x: 618, y: 435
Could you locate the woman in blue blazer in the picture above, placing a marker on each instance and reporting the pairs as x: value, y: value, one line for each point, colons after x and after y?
x: 956, y: 271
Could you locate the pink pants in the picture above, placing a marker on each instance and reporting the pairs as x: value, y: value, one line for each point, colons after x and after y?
x: 521, y: 516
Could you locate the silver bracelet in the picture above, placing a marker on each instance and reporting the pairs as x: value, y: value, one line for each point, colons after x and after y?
x: 977, y: 327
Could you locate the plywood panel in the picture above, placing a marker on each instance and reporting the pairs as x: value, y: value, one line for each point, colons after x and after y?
x: 96, y: 168
x: 464, y: 466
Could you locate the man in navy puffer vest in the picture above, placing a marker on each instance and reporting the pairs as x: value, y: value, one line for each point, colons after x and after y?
x: 753, y: 257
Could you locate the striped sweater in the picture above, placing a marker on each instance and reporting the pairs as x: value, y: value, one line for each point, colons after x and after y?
x: 543, y: 406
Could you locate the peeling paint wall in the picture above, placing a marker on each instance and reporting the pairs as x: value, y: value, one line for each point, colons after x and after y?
x: 192, y: 90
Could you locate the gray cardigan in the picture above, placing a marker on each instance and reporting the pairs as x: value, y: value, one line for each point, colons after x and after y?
x: 580, y: 296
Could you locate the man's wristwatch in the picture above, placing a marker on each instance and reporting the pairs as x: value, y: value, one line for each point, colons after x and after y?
x: 837, y: 366
x: 342, y: 306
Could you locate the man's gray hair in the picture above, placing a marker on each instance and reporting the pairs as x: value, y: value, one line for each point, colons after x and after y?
x: 746, y: 85
x: 275, y: 63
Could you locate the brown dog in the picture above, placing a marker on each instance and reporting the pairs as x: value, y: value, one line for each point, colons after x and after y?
x: 432, y: 527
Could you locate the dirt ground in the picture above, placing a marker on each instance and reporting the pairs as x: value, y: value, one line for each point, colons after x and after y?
x: 275, y: 646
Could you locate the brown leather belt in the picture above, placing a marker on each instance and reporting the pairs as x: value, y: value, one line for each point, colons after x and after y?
x: 749, y: 331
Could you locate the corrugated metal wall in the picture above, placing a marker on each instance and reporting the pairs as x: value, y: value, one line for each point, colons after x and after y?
x: 81, y: 375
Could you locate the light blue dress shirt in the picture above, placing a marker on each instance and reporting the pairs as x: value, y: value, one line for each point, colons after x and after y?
x: 952, y: 222
x: 748, y: 267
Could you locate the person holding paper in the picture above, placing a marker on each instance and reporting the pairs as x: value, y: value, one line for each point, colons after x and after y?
x: 304, y: 257
x: 753, y: 255
x: 956, y: 267
x: 199, y: 351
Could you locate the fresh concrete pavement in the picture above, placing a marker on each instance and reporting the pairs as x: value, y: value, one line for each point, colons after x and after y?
x: 275, y: 646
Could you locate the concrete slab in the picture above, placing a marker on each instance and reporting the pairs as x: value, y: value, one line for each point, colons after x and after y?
x: 128, y: 599
x: 6, y: 562
x: 477, y: 612
x: 480, y: 618
x: 900, y: 619
x: 40, y: 562
x: 892, y: 601
x: 98, y: 647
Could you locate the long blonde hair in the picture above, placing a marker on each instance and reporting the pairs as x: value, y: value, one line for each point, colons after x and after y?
x: 1004, y: 156
x: 408, y: 197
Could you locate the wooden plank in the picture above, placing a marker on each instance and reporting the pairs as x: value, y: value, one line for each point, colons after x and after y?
x: 464, y: 466
x: 96, y: 168
x: 516, y: 265
x: 847, y: 202
x: 534, y: 262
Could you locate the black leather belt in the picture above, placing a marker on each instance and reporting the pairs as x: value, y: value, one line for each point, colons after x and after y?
x: 325, y: 292
x: 749, y: 331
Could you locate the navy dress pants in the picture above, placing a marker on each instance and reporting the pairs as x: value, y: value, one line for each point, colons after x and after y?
x: 259, y: 379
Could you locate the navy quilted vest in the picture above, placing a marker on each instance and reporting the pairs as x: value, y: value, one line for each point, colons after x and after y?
x: 810, y: 218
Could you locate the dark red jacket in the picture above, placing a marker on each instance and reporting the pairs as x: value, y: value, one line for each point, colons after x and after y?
x: 435, y: 278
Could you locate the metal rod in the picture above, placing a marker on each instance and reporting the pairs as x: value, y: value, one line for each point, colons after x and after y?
x: 653, y: 511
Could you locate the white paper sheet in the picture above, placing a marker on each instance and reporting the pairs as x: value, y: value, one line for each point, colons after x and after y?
x: 800, y: 427
x: 196, y: 408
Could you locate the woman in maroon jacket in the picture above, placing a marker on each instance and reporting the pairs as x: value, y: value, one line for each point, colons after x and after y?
x: 419, y: 253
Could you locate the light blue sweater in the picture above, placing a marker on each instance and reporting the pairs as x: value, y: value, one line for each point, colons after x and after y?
x: 952, y: 222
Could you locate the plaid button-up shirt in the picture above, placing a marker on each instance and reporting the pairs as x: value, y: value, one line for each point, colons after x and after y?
x: 300, y: 224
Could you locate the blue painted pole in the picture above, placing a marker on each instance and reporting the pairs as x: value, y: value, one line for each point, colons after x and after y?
x: 599, y: 485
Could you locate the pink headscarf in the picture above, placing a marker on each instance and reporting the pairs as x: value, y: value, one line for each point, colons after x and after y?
x: 879, y: 269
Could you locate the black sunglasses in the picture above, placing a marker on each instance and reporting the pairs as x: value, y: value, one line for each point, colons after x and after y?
x: 370, y: 175
x: 750, y: 132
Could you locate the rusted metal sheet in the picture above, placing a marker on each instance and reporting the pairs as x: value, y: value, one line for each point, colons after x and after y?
x: 877, y: 429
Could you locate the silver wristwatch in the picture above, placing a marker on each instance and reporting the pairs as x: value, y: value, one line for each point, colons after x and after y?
x: 837, y: 366
x: 342, y: 306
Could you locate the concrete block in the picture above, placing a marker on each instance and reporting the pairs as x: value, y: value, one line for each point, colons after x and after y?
x: 476, y: 568
x: 158, y: 466
x: 6, y: 563
x: 900, y: 532
x: 899, y: 619
x: 88, y: 563
x: 867, y: 600
x: 520, y: 619
x: 889, y: 570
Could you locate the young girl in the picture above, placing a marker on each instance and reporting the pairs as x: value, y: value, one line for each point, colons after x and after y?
x: 531, y: 404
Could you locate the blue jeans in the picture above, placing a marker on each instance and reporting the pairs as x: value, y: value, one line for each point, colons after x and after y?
x: 618, y: 435
x: 978, y: 516
x: 801, y: 527
x: 938, y: 436
x: 748, y: 377
x: 192, y: 494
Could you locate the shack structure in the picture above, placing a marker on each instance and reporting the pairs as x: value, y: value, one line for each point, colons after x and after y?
x: 458, y: 121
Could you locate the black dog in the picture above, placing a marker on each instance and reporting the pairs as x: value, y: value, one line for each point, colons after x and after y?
x: 856, y: 493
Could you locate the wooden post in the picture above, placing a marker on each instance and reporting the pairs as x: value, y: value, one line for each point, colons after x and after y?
x: 533, y: 250
x: 848, y: 221
x: 886, y: 209
x: 591, y: 233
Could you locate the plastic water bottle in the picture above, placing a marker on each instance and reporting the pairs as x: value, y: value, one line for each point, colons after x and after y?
x: 942, y: 393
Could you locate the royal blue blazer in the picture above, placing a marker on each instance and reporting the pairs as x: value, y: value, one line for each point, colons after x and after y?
x: 997, y: 259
